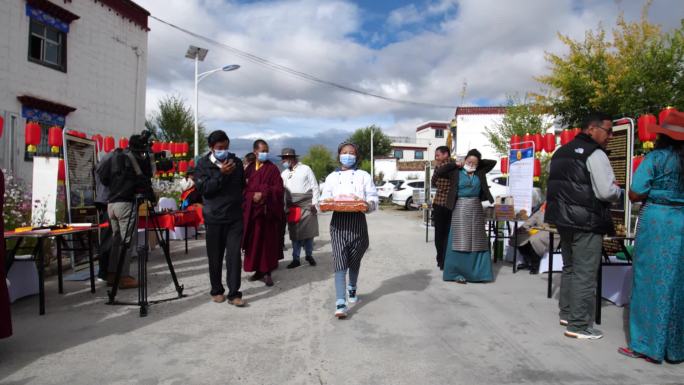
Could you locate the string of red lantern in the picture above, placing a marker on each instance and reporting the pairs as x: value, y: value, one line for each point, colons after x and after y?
x: 504, y: 165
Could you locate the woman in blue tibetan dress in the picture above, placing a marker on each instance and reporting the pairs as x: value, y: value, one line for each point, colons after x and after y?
x: 656, y: 316
x: 468, y: 258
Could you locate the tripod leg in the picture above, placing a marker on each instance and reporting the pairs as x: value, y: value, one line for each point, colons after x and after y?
x: 142, y: 278
x: 167, y: 254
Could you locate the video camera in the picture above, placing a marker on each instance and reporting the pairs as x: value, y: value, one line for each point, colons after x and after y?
x: 142, y: 145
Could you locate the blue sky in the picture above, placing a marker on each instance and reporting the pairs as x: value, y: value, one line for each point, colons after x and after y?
x: 422, y: 51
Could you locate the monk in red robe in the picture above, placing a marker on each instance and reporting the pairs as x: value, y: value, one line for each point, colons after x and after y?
x: 263, y: 216
x: 5, y: 319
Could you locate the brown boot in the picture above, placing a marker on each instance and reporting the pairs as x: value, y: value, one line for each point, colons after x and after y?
x: 218, y: 298
x: 237, y: 302
x: 128, y: 282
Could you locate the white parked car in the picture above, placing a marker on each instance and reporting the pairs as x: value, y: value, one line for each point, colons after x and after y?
x: 403, y: 195
x: 388, y: 188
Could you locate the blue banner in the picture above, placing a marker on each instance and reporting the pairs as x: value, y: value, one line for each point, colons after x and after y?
x: 50, y: 118
x: 517, y: 155
x: 47, y: 19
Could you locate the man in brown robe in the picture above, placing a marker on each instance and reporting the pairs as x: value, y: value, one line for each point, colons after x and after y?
x: 263, y: 216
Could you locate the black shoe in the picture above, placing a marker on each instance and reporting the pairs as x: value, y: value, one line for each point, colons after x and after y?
x: 268, y: 280
x: 311, y: 260
x: 293, y: 264
x: 523, y: 266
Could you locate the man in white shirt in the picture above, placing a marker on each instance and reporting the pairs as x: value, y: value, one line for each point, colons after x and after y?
x: 301, y: 198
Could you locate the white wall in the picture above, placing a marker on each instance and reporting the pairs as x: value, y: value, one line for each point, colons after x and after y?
x: 426, y: 137
x: 105, y: 80
x: 470, y: 134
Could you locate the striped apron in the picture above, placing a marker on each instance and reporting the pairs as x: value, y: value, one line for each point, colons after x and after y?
x: 468, y: 226
x: 349, y: 238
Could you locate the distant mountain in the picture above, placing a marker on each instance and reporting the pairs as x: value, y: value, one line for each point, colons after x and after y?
x: 330, y: 139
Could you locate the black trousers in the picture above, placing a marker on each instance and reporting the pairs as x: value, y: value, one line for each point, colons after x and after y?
x: 530, y: 256
x: 223, y: 241
x: 442, y: 217
x: 105, y: 241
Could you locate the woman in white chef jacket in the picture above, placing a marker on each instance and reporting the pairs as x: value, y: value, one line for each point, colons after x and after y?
x: 348, y: 230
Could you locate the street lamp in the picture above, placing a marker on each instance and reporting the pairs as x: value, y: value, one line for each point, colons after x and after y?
x: 198, y: 54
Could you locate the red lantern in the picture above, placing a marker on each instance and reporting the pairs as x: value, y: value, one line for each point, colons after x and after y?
x: 165, y: 146
x: 576, y: 131
x: 108, y: 144
x: 549, y: 142
x: 123, y: 143
x: 538, y: 142
x: 156, y: 147
x: 504, y: 165
x: 526, y: 139
x: 645, y: 136
x: 98, y: 140
x: 664, y: 113
x: 61, y: 171
x: 2, y: 125
x: 566, y: 137
x: 183, y: 167
x: 636, y: 161
x: 515, y: 142
x: 55, y: 140
x: 185, y: 148
x: 537, y: 168
x: 32, y: 136
x: 191, y: 163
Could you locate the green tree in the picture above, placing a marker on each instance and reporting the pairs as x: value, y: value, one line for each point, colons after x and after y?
x: 382, y: 145
x: 522, y: 117
x: 641, y: 70
x: 174, y: 122
x: 320, y: 160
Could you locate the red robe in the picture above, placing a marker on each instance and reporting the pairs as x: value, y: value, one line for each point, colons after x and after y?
x: 262, y: 238
x: 5, y: 319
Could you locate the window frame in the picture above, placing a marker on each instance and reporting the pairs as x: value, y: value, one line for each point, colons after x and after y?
x: 422, y: 155
x: 439, y: 131
x: 62, y: 66
x: 401, y: 153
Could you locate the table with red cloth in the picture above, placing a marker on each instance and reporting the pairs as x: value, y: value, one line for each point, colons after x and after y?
x: 168, y: 221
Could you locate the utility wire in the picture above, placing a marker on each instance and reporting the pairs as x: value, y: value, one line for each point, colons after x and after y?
x: 302, y: 75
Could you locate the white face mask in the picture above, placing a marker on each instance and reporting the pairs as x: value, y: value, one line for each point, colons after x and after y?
x: 469, y: 168
x: 186, y: 184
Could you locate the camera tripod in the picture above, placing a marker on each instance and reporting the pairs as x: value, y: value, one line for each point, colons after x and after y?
x: 142, y: 258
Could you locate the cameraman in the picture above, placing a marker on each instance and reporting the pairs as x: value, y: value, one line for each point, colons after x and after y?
x: 126, y: 173
x: 219, y: 177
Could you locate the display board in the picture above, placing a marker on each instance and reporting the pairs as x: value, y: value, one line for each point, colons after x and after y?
x: 80, y: 158
x: 521, y: 177
x: 619, y: 150
x: 44, y: 191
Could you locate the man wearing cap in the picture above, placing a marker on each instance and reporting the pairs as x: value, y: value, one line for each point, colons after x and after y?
x: 301, y: 199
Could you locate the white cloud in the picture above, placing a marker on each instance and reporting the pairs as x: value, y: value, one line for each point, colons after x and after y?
x: 496, y: 46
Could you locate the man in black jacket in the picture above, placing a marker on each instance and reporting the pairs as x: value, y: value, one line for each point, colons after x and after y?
x: 581, y: 188
x: 219, y: 177
x: 126, y: 173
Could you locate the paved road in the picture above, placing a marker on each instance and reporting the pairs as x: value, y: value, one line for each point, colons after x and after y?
x: 409, y: 328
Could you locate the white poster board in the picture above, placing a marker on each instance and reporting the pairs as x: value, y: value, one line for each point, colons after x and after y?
x: 521, y: 178
x: 44, y: 194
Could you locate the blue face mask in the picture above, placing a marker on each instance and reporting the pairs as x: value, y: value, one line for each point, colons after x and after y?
x: 286, y: 164
x: 221, y: 154
x: 348, y: 160
x: 263, y: 156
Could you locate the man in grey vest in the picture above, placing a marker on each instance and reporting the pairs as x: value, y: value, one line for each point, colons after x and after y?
x: 581, y: 189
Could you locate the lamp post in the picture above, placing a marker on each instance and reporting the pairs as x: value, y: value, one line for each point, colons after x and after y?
x: 371, y: 158
x: 198, y: 54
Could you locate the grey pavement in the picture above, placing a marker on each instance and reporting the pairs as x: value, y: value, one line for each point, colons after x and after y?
x: 409, y: 327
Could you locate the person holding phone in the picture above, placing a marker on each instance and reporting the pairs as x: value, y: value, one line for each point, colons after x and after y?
x: 219, y: 177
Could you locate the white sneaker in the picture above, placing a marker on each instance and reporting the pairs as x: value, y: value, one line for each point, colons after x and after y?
x: 351, y: 291
x: 341, y: 311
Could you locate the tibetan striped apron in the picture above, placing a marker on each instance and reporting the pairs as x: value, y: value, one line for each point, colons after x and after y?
x: 349, y: 238
x: 468, y: 226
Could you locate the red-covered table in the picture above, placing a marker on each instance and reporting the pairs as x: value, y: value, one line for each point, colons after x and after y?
x: 168, y: 221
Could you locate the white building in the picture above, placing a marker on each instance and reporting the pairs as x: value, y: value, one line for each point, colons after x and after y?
x: 470, y: 129
x: 77, y: 64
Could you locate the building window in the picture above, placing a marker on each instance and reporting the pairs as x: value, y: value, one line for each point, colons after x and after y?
x: 399, y: 154
x: 47, y: 46
x: 439, y: 133
x: 419, y: 155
